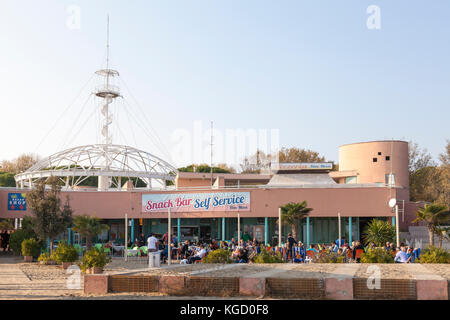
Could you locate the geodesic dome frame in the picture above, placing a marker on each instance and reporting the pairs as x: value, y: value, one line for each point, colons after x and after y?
x: 106, y: 161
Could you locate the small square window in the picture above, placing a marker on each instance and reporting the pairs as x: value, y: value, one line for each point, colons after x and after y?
x: 379, y: 153
x: 388, y: 158
x: 374, y: 159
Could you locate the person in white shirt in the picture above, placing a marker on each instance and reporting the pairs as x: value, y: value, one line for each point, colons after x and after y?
x: 152, y: 243
x: 199, y: 255
x: 401, y: 256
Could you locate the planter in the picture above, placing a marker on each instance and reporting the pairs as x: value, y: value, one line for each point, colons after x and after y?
x: 66, y: 265
x: 28, y: 258
x: 96, y: 270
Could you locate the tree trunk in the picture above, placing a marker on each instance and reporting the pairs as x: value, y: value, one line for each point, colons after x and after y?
x: 295, y: 230
x: 431, y: 236
x: 51, y: 245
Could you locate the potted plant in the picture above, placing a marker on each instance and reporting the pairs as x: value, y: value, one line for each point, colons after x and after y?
x: 30, y: 249
x: 65, y: 254
x: 94, y: 260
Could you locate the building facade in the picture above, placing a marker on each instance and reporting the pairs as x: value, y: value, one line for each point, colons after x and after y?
x: 369, y: 175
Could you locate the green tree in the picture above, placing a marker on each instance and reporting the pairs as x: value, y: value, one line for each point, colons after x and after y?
x: 434, y: 215
x: 379, y: 232
x: 292, y: 213
x: 50, y: 219
x: 204, y: 168
x: 88, y: 227
x: 7, y: 179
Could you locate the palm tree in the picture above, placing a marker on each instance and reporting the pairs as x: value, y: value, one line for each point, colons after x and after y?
x: 292, y: 213
x: 434, y: 215
x: 379, y: 232
x: 88, y: 227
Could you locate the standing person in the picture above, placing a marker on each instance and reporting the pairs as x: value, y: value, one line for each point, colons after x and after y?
x: 1, y: 238
x: 291, y: 241
x: 165, y: 237
x: 152, y: 243
x: 5, y: 241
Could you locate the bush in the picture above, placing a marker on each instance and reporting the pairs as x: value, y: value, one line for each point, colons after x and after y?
x: 94, y: 258
x: 65, y: 253
x: 377, y: 255
x: 44, y: 257
x: 218, y: 256
x: 434, y: 255
x: 17, y: 237
x: 31, y: 247
x: 379, y: 232
x: 267, y: 257
x: 327, y: 257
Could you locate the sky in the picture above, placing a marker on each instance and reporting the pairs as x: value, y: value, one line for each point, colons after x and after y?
x: 298, y: 73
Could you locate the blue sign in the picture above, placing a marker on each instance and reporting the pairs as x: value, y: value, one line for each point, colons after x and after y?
x: 17, y: 202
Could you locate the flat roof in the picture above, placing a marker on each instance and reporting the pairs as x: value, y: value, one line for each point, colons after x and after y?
x: 349, y: 144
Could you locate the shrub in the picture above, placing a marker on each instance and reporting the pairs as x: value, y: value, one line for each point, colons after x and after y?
x: 94, y: 258
x: 379, y: 232
x: 267, y: 257
x: 17, y: 237
x: 65, y: 253
x: 328, y: 257
x: 377, y: 255
x: 218, y: 256
x: 44, y: 257
x: 31, y: 247
x: 434, y: 255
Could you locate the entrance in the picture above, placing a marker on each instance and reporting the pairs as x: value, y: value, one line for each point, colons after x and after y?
x: 205, y: 233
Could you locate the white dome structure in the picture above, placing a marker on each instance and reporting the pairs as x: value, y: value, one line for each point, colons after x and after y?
x: 110, y: 163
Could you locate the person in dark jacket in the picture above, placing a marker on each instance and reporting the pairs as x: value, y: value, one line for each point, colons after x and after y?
x: 291, y: 241
x: 358, y: 245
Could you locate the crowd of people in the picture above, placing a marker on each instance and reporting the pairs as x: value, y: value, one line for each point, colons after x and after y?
x: 246, y: 249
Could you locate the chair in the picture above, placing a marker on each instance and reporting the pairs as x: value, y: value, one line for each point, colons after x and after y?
x: 78, y: 248
x: 99, y: 246
x: 144, y: 250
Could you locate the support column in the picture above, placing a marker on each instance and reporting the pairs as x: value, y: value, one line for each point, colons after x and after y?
x: 349, y: 231
x: 132, y: 232
x: 239, y: 227
x: 393, y: 221
x: 280, y: 230
x: 307, y: 232
x: 179, y: 230
x: 223, y: 229
x: 69, y: 236
x: 266, y: 231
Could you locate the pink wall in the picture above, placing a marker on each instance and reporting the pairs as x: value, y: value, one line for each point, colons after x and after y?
x: 358, y: 156
x: 326, y: 202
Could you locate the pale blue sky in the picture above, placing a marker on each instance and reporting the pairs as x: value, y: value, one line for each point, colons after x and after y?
x: 311, y: 69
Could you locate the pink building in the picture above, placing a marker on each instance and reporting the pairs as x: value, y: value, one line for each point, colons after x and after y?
x: 370, y: 174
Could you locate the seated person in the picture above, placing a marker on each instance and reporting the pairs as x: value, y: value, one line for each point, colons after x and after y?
x: 298, y: 258
x: 184, y: 252
x: 401, y: 256
x: 199, y: 255
x: 242, y: 256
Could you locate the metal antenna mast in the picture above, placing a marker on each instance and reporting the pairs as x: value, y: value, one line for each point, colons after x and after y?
x: 108, y: 93
x: 211, y: 154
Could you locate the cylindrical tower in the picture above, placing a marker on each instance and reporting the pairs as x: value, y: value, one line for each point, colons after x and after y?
x: 374, y: 161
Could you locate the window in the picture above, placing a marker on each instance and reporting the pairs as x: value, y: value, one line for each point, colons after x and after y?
x: 389, y: 179
x: 352, y: 179
x: 374, y: 160
x: 379, y: 153
x: 388, y: 158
